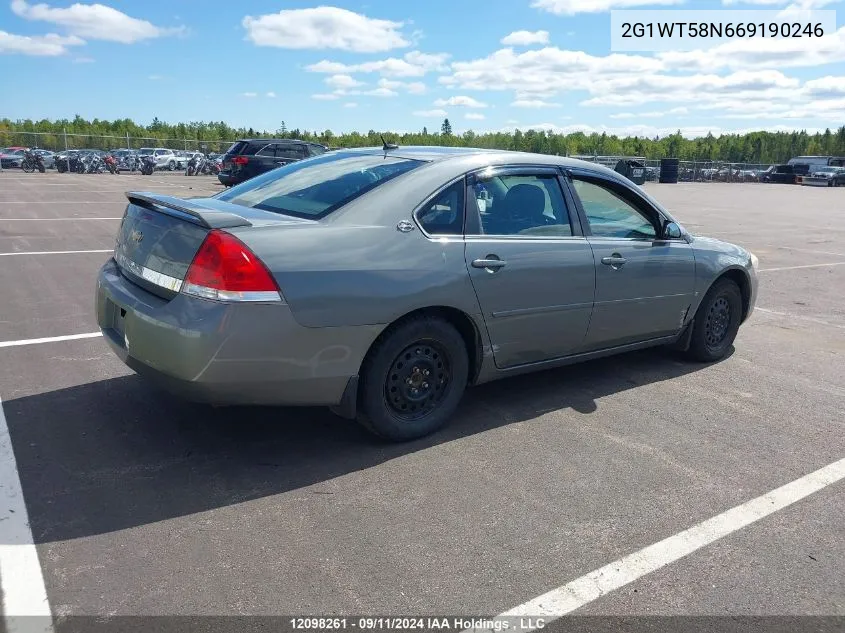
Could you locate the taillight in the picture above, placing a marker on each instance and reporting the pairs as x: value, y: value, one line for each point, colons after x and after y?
x: 224, y: 269
x: 240, y: 160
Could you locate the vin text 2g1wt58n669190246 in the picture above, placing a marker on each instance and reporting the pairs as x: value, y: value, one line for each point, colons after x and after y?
x: 381, y: 282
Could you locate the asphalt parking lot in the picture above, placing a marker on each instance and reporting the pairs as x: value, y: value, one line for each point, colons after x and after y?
x: 140, y: 504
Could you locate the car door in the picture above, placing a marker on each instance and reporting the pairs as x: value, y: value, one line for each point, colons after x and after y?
x: 644, y: 283
x: 264, y: 160
x: 530, y: 265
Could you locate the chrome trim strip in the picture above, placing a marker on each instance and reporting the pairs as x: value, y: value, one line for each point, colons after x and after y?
x: 147, y: 274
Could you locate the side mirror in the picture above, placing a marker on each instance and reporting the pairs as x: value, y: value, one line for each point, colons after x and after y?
x: 672, y: 231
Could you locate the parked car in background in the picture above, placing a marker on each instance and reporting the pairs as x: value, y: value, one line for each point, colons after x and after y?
x: 780, y: 174
x: 125, y: 158
x: 811, y: 162
x: 382, y: 282
x: 825, y: 177
x: 164, y: 158
x: 248, y: 158
x: 12, y: 157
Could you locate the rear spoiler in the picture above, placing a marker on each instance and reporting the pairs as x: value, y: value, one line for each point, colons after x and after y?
x: 209, y: 218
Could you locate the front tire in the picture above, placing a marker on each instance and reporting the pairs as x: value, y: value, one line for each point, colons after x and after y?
x: 27, y: 167
x: 716, y: 322
x: 171, y: 165
x: 413, y: 379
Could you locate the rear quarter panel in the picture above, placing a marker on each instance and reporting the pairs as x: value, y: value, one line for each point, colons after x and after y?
x: 341, y: 275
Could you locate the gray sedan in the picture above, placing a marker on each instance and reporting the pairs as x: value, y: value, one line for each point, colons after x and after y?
x: 382, y: 282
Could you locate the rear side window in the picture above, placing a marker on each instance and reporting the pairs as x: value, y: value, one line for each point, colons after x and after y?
x: 315, y: 187
x: 294, y: 152
x: 236, y: 148
x: 444, y: 215
x: 267, y: 151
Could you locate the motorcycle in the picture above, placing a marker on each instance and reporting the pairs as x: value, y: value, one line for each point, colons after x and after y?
x: 195, y: 165
x: 111, y: 164
x: 211, y: 167
x: 148, y: 164
x: 31, y: 162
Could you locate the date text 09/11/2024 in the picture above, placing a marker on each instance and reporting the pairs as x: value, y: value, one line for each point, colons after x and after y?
x: 417, y: 623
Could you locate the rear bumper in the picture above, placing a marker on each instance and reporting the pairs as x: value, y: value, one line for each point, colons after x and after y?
x: 221, y: 353
x: 229, y: 180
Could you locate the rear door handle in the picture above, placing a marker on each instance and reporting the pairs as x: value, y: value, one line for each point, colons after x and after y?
x: 489, y: 264
x: 616, y: 260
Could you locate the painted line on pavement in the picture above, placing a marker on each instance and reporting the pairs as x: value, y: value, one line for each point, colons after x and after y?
x: 21, y: 578
x: 107, y: 250
x: 774, y: 270
x: 581, y: 591
x: 49, y: 339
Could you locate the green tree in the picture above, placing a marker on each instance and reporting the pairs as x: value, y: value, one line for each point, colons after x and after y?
x: 446, y: 128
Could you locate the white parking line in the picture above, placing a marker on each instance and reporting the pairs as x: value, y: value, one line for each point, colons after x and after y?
x: 49, y: 339
x: 106, y: 250
x: 774, y: 270
x: 60, y: 201
x: 812, y: 251
x: 21, y: 578
x: 573, y: 595
x: 799, y: 317
x: 51, y: 219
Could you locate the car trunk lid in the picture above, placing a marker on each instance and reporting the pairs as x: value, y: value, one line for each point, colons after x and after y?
x: 160, y: 235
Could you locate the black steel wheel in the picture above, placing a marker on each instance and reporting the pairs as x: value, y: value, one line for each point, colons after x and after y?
x: 418, y: 380
x: 413, y: 379
x: 716, y: 322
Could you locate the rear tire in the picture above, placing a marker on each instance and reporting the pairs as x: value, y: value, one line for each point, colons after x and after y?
x: 171, y: 165
x: 716, y: 322
x: 413, y: 379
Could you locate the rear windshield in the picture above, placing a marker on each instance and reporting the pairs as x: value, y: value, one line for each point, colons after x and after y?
x: 315, y: 187
x: 236, y: 148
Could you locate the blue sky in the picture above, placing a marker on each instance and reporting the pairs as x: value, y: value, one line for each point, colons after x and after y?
x: 390, y: 64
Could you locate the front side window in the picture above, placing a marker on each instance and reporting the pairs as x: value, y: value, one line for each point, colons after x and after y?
x: 315, y: 187
x: 522, y: 204
x: 609, y: 214
x: 444, y: 215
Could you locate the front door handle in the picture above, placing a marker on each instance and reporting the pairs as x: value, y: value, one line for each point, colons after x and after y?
x: 490, y: 263
x: 615, y: 261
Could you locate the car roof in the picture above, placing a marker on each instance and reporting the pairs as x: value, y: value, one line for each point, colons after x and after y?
x: 433, y: 154
x: 277, y: 140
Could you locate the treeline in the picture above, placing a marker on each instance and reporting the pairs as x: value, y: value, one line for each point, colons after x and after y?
x: 753, y: 147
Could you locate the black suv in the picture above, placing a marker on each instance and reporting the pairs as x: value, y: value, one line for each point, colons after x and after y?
x: 249, y: 157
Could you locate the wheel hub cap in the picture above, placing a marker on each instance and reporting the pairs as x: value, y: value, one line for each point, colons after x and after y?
x: 417, y: 380
x: 718, y: 322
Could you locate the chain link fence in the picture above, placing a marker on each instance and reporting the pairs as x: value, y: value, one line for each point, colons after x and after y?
x: 65, y: 141
x: 690, y: 170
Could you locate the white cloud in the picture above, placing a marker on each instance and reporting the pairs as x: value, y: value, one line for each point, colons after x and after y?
x: 324, y: 27
x: 50, y: 45
x: 93, y: 21
x: 533, y: 103
x: 412, y: 87
x: 828, y: 86
x: 270, y: 95
x: 343, y: 81
x: 350, y: 104
x: 381, y: 92
x: 460, y: 101
x: 649, y: 115
x: 544, y: 72
x: 474, y: 116
x: 413, y: 64
x: 326, y: 97
x: 634, y: 90
x: 430, y: 113
x: 571, y: 7
x: 249, y: 94
x: 526, y: 38
x: 761, y: 52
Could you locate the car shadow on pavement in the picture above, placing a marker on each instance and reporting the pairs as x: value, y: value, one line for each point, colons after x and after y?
x: 118, y: 453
